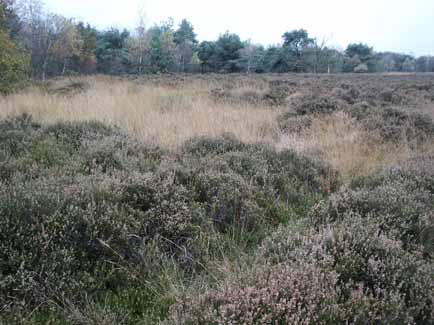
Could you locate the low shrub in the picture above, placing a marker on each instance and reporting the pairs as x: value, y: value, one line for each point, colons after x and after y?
x: 364, y: 256
x: 392, y: 124
x: 289, y: 123
x: 395, y: 125
x: 315, y: 104
x: 277, y: 95
x: 401, y: 199
x: 350, y: 273
x: 347, y: 93
x: 82, y: 204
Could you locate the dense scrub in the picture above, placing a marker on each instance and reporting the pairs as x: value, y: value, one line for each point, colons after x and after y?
x: 368, y: 260
x: 85, y: 208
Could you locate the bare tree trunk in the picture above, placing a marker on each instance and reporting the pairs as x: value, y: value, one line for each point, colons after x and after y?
x: 65, y: 62
x: 183, y: 64
x: 44, y: 69
x: 46, y: 56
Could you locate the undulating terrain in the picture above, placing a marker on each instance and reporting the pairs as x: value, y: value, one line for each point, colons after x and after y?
x: 218, y: 199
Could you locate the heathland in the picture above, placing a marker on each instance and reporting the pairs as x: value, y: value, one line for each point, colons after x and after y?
x: 218, y: 199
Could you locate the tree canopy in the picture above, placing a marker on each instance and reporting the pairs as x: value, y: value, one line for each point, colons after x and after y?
x: 56, y: 45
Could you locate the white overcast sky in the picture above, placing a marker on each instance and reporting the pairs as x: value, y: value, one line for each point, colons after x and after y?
x: 396, y: 25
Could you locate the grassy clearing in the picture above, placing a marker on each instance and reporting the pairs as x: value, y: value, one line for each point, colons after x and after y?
x: 156, y: 114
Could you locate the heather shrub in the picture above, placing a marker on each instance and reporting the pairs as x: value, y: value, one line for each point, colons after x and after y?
x: 273, y: 95
x: 289, y: 123
x: 315, y: 104
x: 16, y: 133
x: 375, y: 109
x: 229, y: 199
x: 347, y: 93
x: 348, y: 273
x: 304, y: 107
x: 251, y: 181
x: 260, y: 162
x: 80, y: 205
x: 63, y: 239
x: 367, y: 261
x: 83, y: 204
x: 203, y: 146
x: 72, y: 135
x: 390, y: 96
x: 400, y: 199
x: 277, y: 295
x: 395, y: 125
x: 277, y: 95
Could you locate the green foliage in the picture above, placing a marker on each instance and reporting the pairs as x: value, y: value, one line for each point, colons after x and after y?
x: 315, y: 104
x: 111, y: 51
x: 207, y: 55
x: 361, y: 68
x: 223, y: 55
x: 86, y: 61
x: 295, y: 50
x: 58, y: 46
x: 186, y: 42
x: 13, y: 65
x: 162, y: 48
x: 360, y: 58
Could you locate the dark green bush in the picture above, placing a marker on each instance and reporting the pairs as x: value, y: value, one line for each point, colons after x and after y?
x: 72, y: 135
x: 205, y: 146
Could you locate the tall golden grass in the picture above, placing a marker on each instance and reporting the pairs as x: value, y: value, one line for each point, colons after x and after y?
x: 156, y: 114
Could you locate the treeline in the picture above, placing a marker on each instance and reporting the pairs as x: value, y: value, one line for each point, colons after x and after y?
x: 54, y: 45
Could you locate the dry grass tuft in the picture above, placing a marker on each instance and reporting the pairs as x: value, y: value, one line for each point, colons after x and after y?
x: 348, y: 147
